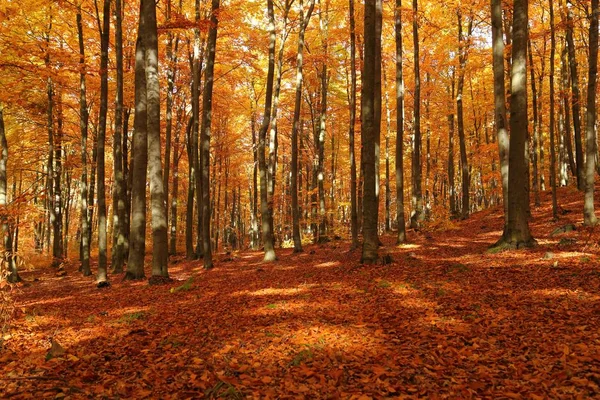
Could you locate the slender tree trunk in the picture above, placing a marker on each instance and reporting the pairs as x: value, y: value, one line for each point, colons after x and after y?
x: 552, y: 135
x: 462, y: 56
x: 517, y: 234
x: 206, y: 133
x: 57, y: 200
x: 417, y: 216
x: 189, y: 220
x: 83, y: 128
x: 400, y: 218
x: 451, y: 187
x: 368, y: 134
x: 139, y: 160
x: 536, y: 128
x: 575, y: 99
x: 262, y: 166
x: 119, y: 187
x: 13, y: 274
x: 296, y: 127
x: 589, y: 216
x: 320, y: 145
x: 500, y: 101
x: 102, y: 234
x: 175, y: 198
x: 352, y: 123
x: 196, y: 133
x: 567, y: 120
x: 388, y: 129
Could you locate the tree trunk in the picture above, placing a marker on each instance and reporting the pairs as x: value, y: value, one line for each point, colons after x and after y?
x: 517, y: 233
x: 451, y: 187
x: 102, y: 235
x: 352, y: 123
x: 83, y: 128
x: 567, y: 119
x: 320, y: 145
x: 262, y: 166
x: 119, y: 188
x: 417, y: 215
x: 196, y: 133
x: 401, y: 238
x: 139, y: 160
x: 462, y: 57
x: 552, y: 135
x: 500, y: 101
x: 158, y: 203
x: 206, y: 133
x: 296, y: 127
x: 536, y: 128
x: 589, y: 217
x: 575, y: 99
x: 368, y: 134
x: 13, y: 274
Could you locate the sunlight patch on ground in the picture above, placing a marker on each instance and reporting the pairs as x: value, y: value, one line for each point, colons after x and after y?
x: 47, y: 301
x: 408, y: 246
x: 577, y: 294
x: 328, y: 264
x: 277, y: 292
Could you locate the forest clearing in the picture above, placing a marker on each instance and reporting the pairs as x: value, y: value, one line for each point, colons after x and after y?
x: 447, y: 318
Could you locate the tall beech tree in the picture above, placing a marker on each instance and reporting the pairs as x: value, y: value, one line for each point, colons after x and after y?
x: 296, y: 125
x: 206, y: 131
x: 589, y: 216
x: 104, y: 30
x: 417, y: 215
x: 517, y: 234
x: 265, y: 210
x: 400, y: 218
x: 370, y: 252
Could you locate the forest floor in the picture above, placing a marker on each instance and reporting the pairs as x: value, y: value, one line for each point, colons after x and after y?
x: 446, y: 319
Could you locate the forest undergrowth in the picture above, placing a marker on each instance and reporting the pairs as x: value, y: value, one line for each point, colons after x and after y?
x: 446, y: 319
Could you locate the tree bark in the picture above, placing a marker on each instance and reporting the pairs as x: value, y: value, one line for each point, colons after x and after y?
x: 552, y: 134
x: 101, y: 181
x: 417, y: 215
x: 13, y: 274
x: 83, y: 128
x: 296, y: 127
x: 575, y: 99
x: 368, y: 134
x: 400, y: 218
x: 265, y: 209
x: 352, y: 123
x: 589, y: 216
x: 517, y: 233
x: 206, y: 133
x: 500, y: 101
x: 139, y: 160
x: 119, y: 188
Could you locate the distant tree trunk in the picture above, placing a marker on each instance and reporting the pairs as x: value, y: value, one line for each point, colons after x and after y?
x: 13, y: 274
x: 401, y: 238
x: 83, y: 128
x: 102, y: 235
x: 262, y: 166
x: 500, y: 101
x: 254, y: 192
x: 552, y: 135
x: 451, y: 187
x: 575, y: 98
x: 567, y: 118
x: 127, y: 183
x: 119, y: 186
x: 155, y: 174
x: 206, y: 132
x: 536, y: 128
x: 177, y: 152
x: 273, y: 138
x: 92, y: 185
x: 377, y: 108
x: 352, y: 123
x: 196, y: 133
x: 139, y: 160
x: 589, y: 217
x: 517, y: 232
x: 57, y: 199
x: 464, y: 163
x: 189, y: 220
x: 296, y: 127
x: 417, y: 215
x: 368, y: 134
x: 320, y: 145
x: 388, y: 129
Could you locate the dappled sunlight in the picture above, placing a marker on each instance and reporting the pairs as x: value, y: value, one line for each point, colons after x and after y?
x: 328, y: 264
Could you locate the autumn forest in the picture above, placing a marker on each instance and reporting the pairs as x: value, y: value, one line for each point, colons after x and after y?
x: 299, y: 198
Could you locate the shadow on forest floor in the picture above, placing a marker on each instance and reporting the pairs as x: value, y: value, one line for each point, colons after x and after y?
x: 446, y: 318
